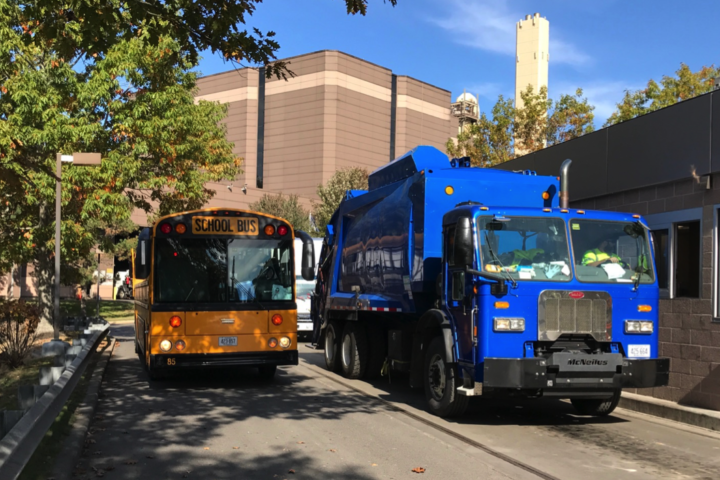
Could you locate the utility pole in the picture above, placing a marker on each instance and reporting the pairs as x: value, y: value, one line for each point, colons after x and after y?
x: 97, y: 293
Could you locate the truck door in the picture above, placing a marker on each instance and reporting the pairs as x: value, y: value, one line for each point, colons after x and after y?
x: 459, y: 299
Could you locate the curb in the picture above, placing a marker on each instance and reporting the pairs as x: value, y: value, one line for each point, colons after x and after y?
x: 72, y: 451
x: 698, y: 417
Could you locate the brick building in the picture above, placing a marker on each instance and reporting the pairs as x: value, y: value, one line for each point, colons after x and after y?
x: 666, y: 167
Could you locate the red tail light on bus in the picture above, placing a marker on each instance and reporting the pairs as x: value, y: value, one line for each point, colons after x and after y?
x: 175, y: 321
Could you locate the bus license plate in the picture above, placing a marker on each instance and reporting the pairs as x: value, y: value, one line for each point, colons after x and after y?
x: 228, y: 341
x: 639, y: 351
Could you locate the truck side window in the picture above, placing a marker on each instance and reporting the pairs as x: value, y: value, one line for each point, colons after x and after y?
x: 458, y: 285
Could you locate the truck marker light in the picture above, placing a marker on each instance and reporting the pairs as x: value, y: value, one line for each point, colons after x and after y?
x: 285, y: 342
x: 165, y: 228
x: 272, y: 343
x: 484, y: 209
x: 475, y: 289
x: 449, y: 190
x: 175, y: 321
x: 269, y: 229
x: 639, y: 326
x: 165, y: 345
x: 282, y: 230
x: 180, y: 228
x: 502, y: 305
x: 180, y: 345
x: 581, y: 212
x: 546, y: 196
x: 564, y: 210
x: 636, y: 216
x: 644, y: 308
x: 546, y: 210
x: 277, y: 319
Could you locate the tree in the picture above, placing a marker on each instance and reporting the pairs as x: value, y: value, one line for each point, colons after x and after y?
x: 685, y: 85
x: 333, y: 192
x: 286, y: 207
x: 541, y: 122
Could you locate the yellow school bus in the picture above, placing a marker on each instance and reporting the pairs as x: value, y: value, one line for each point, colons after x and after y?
x: 216, y: 287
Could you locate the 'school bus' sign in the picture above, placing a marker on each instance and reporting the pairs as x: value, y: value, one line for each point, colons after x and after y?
x: 227, y: 226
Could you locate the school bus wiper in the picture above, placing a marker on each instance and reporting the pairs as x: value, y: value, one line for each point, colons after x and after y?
x: 191, y: 290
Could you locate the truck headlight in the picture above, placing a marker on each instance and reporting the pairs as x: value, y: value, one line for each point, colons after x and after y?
x: 639, y: 326
x: 509, y: 325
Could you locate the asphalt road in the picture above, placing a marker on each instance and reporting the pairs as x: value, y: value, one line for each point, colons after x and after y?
x: 311, y: 424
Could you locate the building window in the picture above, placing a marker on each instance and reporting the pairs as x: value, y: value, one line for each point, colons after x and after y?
x: 661, y: 240
x: 687, y: 259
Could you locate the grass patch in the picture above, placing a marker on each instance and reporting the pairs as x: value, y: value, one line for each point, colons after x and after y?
x: 10, y: 380
x: 40, y: 465
x: 110, y: 310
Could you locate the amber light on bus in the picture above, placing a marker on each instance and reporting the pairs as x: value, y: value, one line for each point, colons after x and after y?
x: 175, y: 321
x: 277, y: 319
x: 272, y: 343
x: 269, y: 229
x: 180, y: 228
x: 282, y: 230
x: 180, y: 345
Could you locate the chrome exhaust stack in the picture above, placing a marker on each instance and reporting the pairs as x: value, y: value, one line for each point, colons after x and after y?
x: 565, y: 184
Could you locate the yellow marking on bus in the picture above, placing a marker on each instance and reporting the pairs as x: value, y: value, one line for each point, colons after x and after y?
x: 225, y: 226
x: 211, y: 323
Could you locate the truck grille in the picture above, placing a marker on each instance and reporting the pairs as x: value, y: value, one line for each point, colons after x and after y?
x: 572, y: 312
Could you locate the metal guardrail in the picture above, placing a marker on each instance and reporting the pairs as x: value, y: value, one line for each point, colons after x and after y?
x: 20, y: 442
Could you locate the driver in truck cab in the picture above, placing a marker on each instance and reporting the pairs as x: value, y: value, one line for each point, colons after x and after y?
x: 601, y: 255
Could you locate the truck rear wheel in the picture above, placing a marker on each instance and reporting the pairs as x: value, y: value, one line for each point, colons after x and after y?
x: 353, y: 351
x: 596, y: 408
x: 441, y: 382
x: 332, y: 347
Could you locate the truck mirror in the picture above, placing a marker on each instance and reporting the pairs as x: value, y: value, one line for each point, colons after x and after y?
x: 142, y: 255
x: 307, y: 269
x: 463, y: 251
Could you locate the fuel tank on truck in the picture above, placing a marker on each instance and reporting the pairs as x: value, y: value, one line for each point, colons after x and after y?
x: 387, y: 242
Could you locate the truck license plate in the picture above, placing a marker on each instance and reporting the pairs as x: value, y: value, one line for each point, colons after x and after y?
x: 228, y: 341
x: 639, y: 351
x: 304, y: 326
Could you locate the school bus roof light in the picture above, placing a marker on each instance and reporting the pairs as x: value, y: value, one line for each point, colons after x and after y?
x: 277, y: 319
x: 282, y: 230
x: 180, y: 228
x: 165, y: 228
x: 269, y: 229
x: 175, y: 321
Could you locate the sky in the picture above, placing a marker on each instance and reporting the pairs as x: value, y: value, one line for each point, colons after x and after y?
x: 604, y: 47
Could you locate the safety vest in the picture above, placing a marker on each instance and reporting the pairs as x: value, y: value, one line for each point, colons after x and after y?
x: 529, y: 255
x: 597, y: 255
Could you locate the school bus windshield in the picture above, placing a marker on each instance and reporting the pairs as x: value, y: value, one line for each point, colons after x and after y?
x: 216, y: 270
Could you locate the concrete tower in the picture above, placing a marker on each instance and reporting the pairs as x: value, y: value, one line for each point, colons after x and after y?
x: 532, y: 47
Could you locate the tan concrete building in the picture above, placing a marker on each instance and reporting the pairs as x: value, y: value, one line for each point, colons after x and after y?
x: 337, y: 111
x: 532, y: 55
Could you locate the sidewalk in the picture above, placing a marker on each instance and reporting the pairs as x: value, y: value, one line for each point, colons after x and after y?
x: 699, y: 417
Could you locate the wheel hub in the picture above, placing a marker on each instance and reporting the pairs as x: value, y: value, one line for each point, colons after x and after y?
x: 436, y: 377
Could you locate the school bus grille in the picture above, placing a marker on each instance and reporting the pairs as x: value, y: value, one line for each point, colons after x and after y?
x: 572, y: 312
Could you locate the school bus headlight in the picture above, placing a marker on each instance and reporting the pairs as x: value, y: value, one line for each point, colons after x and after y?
x: 272, y: 343
x: 638, y: 326
x: 165, y: 345
x: 180, y: 345
x: 285, y: 342
x: 509, y: 325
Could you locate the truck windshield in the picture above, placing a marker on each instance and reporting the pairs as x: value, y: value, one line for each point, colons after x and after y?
x: 219, y: 270
x: 611, y: 252
x: 527, y: 248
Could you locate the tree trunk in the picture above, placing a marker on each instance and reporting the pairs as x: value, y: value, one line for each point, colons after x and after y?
x: 45, y: 275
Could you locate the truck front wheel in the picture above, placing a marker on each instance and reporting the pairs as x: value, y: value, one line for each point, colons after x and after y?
x: 332, y: 351
x: 441, y: 382
x: 596, y: 408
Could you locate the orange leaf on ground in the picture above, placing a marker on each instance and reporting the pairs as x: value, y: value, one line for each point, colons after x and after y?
x: 300, y: 442
x: 206, y: 448
x: 236, y: 448
x: 291, y: 471
x: 418, y: 470
x: 333, y: 450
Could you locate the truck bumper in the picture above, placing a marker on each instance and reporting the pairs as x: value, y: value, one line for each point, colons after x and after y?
x: 562, y: 374
x: 178, y: 361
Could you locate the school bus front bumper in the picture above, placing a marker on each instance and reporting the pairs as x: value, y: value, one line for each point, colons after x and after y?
x: 174, y: 361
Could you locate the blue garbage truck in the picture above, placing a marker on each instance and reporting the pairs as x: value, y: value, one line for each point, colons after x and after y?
x: 478, y: 281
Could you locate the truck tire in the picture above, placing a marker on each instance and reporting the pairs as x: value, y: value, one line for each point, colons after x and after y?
x: 377, y: 351
x: 441, y: 382
x: 596, y: 408
x: 121, y: 294
x: 353, y: 351
x: 332, y: 347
